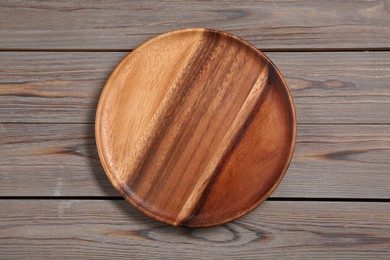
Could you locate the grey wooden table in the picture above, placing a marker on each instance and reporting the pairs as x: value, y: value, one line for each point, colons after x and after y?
x: 55, y: 200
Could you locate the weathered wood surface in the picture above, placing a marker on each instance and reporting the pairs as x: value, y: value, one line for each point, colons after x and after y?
x: 51, y: 160
x: 113, y: 229
x: 330, y: 161
x: 52, y: 87
x: 328, y: 87
x: 126, y: 24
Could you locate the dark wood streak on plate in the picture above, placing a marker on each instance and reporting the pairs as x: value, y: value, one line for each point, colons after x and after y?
x: 203, y: 198
x: 256, y: 167
x: 204, y: 95
x: 185, y: 86
x: 223, y: 111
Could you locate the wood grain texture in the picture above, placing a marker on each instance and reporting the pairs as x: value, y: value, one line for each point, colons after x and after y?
x: 51, y: 160
x: 126, y: 24
x: 195, y: 127
x: 56, y: 159
x: 112, y: 229
x: 330, y: 161
x: 52, y: 87
x: 328, y: 87
x: 338, y: 87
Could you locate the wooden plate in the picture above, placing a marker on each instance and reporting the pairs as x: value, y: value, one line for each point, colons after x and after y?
x: 195, y: 127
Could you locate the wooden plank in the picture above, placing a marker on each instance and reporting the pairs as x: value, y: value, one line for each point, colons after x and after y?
x: 339, y: 161
x: 114, y: 230
x: 330, y: 161
x: 51, y: 160
x: 52, y: 87
x: 338, y: 87
x: 328, y: 87
x: 126, y: 24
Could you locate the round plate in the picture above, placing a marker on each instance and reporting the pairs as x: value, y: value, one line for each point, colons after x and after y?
x: 195, y: 127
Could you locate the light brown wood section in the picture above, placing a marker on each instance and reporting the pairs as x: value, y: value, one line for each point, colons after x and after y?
x: 328, y: 87
x: 111, y: 229
x: 330, y: 161
x: 192, y: 119
x: 126, y: 24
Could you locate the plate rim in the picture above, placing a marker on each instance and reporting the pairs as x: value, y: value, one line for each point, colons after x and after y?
x: 121, y: 188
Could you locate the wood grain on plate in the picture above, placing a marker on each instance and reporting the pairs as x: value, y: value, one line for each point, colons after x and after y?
x: 112, y: 229
x: 126, y: 24
x: 195, y: 127
x: 63, y: 87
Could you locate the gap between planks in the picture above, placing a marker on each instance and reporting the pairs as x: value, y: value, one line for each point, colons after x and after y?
x: 381, y: 49
x: 92, y: 123
x: 298, y: 199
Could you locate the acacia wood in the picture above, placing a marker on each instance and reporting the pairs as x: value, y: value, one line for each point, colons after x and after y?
x: 313, y: 24
x: 37, y: 229
x: 195, y: 127
x: 327, y: 87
